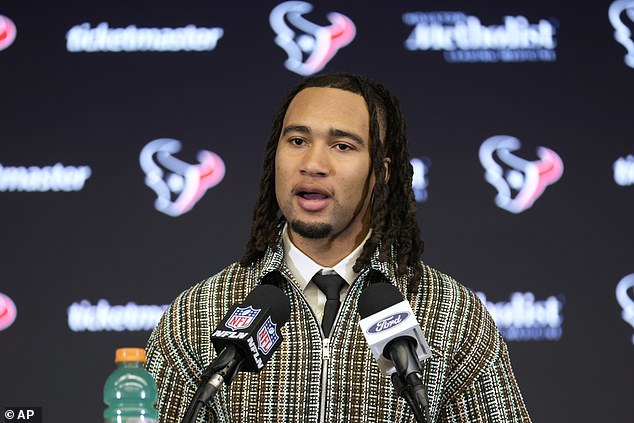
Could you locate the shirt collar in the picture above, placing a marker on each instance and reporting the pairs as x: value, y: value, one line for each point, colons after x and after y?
x: 304, y: 268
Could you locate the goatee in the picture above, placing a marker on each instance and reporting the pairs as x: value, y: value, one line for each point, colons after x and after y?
x: 313, y: 231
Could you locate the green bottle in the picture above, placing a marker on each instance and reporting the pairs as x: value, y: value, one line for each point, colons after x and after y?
x: 130, y: 391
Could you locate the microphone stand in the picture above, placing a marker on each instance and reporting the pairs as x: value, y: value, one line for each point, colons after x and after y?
x: 414, y: 395
x: 223, y: 368
x: 408, y: 380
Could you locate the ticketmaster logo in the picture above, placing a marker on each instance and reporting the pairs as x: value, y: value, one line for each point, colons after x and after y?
x: 103, y: 317
x: 48, y: 178
x: 102, y: 38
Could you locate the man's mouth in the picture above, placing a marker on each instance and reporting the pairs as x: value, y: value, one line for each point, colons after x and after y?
x: 308, y: 195
x: 312, y: 200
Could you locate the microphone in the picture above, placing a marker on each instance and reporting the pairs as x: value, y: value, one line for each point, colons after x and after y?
x: 253, y: 327
x: 397, y: 342
x: 390, y: 328
x: 244, y: 340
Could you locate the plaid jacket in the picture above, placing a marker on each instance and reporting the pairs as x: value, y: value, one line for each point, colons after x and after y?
x: 469, y: 377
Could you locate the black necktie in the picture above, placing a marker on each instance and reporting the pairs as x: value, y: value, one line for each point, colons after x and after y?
x: 331, y: 286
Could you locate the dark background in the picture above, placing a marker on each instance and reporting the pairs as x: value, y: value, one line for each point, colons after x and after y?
x: 108, y: 242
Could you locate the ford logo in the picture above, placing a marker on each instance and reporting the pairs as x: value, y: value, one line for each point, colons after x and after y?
x: 388, y: 322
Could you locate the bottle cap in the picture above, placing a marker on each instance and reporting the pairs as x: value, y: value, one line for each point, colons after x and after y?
x: 129, y: 354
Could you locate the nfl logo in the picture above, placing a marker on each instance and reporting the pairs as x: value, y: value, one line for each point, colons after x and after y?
x: 242, y: 318
x: 267, y: 336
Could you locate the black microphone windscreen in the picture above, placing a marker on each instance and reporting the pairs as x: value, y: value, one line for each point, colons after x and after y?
x: 377, y: 297
x: 265, y: 295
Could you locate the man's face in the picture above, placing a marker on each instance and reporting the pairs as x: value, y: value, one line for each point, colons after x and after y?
x: 323, y: 178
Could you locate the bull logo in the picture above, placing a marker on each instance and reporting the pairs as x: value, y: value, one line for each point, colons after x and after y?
x: 625, y: 298
x: 621, y: 14
x: 178, y: 184
x: 309, y: 46
x: 519, y: 182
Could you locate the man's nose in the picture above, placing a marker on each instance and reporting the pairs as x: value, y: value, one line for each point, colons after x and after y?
x: 316, y: 161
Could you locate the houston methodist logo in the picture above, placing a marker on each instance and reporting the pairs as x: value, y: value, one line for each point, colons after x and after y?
x: 519, y: 182
x: 463, y: 38
x: 7, y: 32
x: 309, y: 46
x: 525, y: 318
x: 241, y: 318
x: 178, y: 184
x: 8, y: 311
x: 621, y: 14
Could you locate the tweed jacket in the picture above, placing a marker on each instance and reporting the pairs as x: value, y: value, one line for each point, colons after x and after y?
x: 311, y: 379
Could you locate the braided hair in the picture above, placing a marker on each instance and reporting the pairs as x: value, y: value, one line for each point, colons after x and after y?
x: 395, y: 231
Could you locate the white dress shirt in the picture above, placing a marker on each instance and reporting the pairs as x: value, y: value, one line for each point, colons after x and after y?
x: 304, y: 268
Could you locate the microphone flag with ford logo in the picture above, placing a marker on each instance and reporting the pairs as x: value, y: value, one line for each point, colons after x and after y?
x: 254, y: 326
x: 386, y: 317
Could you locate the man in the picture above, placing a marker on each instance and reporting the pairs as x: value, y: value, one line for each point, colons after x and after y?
x: 336, y: 197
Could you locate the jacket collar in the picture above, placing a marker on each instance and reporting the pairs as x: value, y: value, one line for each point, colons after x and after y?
x: 273, y: 259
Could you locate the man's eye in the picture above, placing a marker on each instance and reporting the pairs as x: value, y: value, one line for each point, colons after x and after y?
x: 343, y: 147
x: 296, y: 141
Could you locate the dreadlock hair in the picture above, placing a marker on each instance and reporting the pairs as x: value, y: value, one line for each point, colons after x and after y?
x: 394, y: 228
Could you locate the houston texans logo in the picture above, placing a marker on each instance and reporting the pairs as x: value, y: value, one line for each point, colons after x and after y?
x: 520, y: 182
x: 309, y: 46
x: 7, y: 32
x: 625, y: 298
x: 178, y: 184
x: 621, y: 14
x: 8, y: 311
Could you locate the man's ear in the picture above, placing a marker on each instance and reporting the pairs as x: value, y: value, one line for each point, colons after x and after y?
x: 386, y: 163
